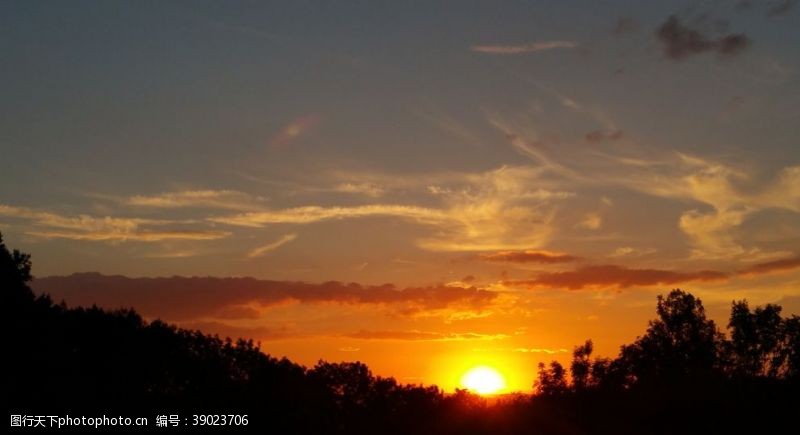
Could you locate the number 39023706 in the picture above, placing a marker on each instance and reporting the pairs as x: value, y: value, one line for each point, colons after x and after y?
x: 219, y: 420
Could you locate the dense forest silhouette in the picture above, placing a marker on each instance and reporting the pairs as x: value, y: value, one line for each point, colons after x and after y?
x: 683, y: 375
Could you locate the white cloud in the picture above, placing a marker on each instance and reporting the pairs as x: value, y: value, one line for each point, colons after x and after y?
x: 730, y: 196
x: 365, y: 188
x: 530, y: 47
x: 591, y: 221
x: 311, y: 214
x: 222, y: 199
x: 499, y: 209
x: 85, y: 227
x: 628, y: 251
x: 261, y: 250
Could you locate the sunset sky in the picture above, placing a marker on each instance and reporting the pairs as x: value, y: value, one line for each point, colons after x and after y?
x: 422, y: 186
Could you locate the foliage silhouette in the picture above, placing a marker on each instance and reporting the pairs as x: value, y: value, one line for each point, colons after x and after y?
x: 682, y: 376
x: 552, y: 380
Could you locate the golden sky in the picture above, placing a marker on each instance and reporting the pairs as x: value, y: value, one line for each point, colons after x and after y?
x: 424, y: 189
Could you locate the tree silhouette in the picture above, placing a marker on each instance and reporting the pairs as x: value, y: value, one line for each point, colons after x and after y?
x: 680, y: 343
x: 581, y: 367
x: 552, y: 380
x: 682, y: 376
x: 790, y: 347
x: 15, y: 273
x: 755, y: 344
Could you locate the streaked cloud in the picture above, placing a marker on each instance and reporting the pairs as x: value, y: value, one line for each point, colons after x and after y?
x: 261, y: 250
x: 174, y: 253
x: 719, y: 186
x: 85, y: 227
x: 222, y: 199
x: 365, y: 188
x: 781, y: 265
x: 311, y: 214
x: 223, y: 297
x: 628, y: 251
x: 784, y: 192
x: 529, y: 145
x: 603, y: 135
x: 294, y: 130
x: 544, y: 257
x: 492, y: 210
x: 591, y: 221
x: 731, y: 193
x: 530, y: 47
x: 138, y: 235
x: 497, y: 211
x: 605, y: 276
x: 449, y: 125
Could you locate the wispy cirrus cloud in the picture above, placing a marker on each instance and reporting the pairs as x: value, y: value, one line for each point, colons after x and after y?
x: 718, y: 186
x: 172, y: 253
x: 591, y: 221
x: 492, y: 210
x: 729, y: 195
x: 365, y: 188
x: 50, y: 225
x: 294, y: 130
x: 261, y: 250
x: 528, y: 256
x: 529, y: 47
x: 628, y: 251
x: 497, y: 211
x: 784, y: 192
x: 311, y: 214
x: 603, y: 135
x: 220, y: 199
x: 138, y: 235
x: 530, y: 145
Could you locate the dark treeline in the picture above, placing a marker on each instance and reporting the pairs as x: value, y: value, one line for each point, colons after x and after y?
x: 682, y: 376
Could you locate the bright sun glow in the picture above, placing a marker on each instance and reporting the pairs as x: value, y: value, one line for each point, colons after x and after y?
x: 483, y: 380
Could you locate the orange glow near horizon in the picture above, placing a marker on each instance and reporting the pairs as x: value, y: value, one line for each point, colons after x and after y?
x: 483, y: 380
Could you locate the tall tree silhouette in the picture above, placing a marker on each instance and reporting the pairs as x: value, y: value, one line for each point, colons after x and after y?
x: 15, y: 273
x: 681, y: 342
x: 581, y: 367
x: 552, y: 379
x: 756, y: 340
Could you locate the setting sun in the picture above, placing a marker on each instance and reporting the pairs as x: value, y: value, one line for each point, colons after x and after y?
x: 483, y: 380
x: 356, y: 217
